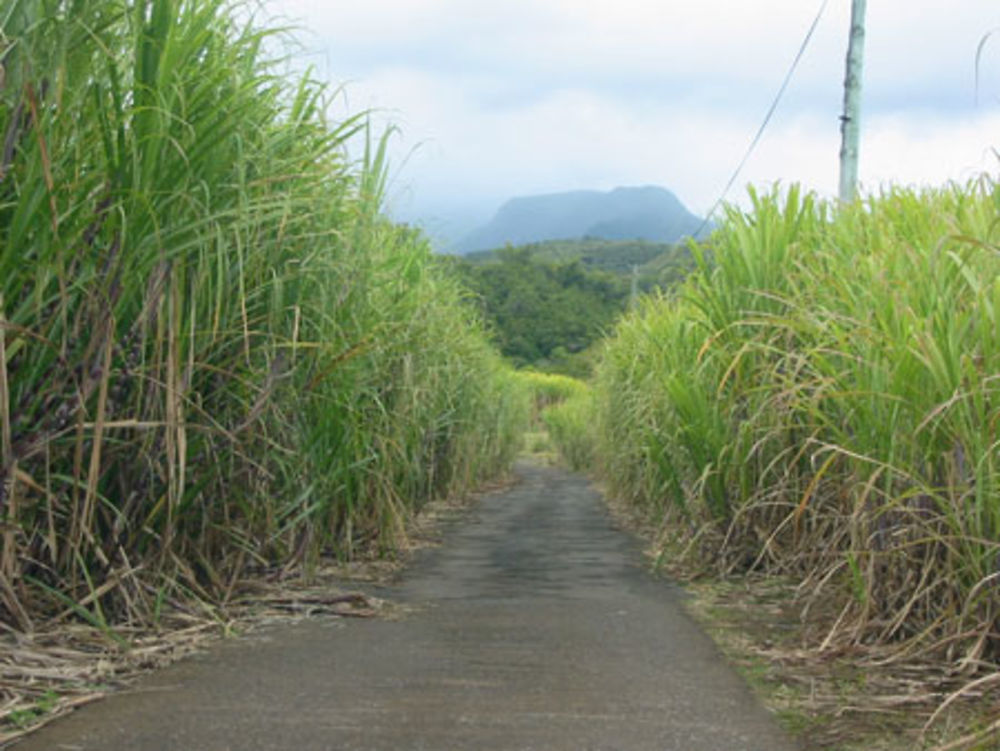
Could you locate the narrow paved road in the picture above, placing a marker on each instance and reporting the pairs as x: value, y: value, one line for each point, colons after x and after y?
x: 534, y: 627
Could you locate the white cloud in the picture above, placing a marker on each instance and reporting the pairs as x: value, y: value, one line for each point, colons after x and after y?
x: 535, y: 95
x: 925, y: 149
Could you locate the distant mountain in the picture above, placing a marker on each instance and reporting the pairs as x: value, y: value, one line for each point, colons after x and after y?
x: 647, y: 213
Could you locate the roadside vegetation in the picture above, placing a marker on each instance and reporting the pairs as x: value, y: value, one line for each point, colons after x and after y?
x: 569, y: 424
x: 218, y: 360
x: 821, y: 402
x: 550, y: 389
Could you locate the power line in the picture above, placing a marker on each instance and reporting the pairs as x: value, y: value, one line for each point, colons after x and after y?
x: 767, y: 117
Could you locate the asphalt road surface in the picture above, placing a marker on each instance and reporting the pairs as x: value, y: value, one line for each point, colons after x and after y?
x: 535, y: 626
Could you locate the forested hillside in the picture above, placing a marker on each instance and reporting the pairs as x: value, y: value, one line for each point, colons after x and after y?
x: 615, y: 256
x: 543, y: 314
x: 548, y: 302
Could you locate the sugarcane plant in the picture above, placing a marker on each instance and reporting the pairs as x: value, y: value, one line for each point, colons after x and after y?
x: 821, y: 400
x: 216, y: 355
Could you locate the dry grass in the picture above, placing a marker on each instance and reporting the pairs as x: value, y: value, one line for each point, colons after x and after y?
x: 847, y: 698
x: 830, y: 696
x: 819, y: 402
x: 60, y: 667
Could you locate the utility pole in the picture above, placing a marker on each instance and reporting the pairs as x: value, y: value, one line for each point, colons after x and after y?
x: 850, y: 122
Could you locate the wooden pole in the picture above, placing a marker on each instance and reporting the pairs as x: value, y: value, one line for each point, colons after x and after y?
x: 850, y: 127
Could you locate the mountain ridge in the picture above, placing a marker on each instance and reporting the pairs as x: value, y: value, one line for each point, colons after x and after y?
x: 646, y: 212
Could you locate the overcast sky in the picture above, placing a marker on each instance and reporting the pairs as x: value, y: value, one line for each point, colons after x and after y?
x: 497, y: 99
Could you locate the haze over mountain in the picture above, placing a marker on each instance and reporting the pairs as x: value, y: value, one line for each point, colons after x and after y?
x: 648, y: 213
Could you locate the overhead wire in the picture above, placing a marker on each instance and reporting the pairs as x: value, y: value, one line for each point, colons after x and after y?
x: 767, y: 118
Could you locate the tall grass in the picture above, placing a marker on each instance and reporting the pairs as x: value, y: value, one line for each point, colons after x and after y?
x: 561, y: 415
x: 216, y: 355
x: 550, y: 388
x: 821, y: 398
x: 570, y: 425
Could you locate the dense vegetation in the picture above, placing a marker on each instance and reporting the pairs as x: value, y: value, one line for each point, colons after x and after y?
x: 614, y: 256
x: 216, y: 355
x: 823, y: 401
x: 549, y: 302
x: 542, y: 314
